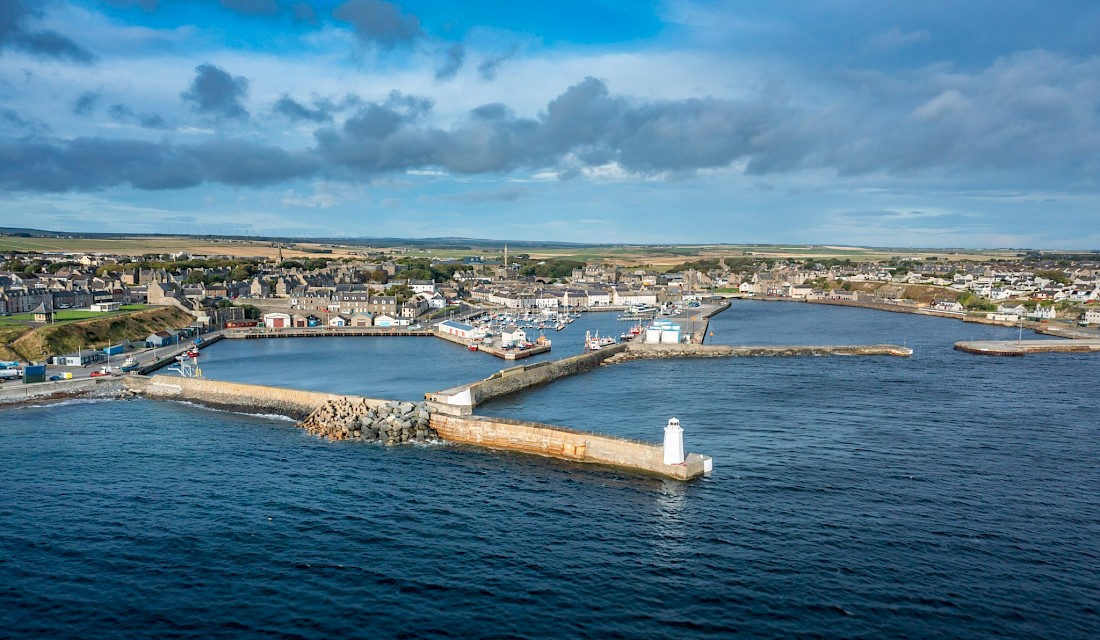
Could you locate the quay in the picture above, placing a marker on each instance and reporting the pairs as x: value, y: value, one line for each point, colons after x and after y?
x: 649, y: 351
x: 323, y: 332
x: 492, y: 349
x: 1023, y: 347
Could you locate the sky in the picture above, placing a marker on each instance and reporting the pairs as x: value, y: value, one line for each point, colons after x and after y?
x: 857, y: 122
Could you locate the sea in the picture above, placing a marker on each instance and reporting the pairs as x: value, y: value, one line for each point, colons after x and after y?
x: 944, y: 495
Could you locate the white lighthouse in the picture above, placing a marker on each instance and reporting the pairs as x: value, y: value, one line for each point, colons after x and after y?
x: 674, y: 442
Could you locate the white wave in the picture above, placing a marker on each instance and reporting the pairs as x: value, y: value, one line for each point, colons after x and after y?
x: 265, y: 416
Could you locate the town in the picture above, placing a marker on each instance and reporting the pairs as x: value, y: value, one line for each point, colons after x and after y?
x: 408, y: 289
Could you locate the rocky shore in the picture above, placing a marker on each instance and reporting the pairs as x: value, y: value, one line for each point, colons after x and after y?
x: 392, y: 423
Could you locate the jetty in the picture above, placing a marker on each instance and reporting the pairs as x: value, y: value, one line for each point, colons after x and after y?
x: 1023, y: 347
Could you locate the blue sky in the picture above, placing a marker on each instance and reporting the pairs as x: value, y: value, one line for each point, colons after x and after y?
x: 934, y: 124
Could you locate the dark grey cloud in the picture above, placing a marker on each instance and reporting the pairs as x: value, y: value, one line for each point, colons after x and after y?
x: 304, y: 12
x: 452, y: 62
x: 15, y: 33
x: 148, y: 5
x: 252, y: 7
x: 380, y: 23
x: 86, y: 103
x: 295, y: 110
x: 216, y: 92
x: 88, y: 164
x: 1031, y: 119
x: 122, y: 113
x: 491, y: 65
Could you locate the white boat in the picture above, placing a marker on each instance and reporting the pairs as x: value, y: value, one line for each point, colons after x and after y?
x: 593, y: 341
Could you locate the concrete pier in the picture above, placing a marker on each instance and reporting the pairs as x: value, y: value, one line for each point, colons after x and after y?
x: 1022, y: 347
x: 567, y: 444
x: 651, y: 351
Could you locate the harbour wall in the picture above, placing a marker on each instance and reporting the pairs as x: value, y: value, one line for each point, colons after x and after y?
x: 233, y: 396
x: 17, y: 392
x: 1019, y: 348
x: 653, y: 351
x: 521, y: 377
x: 339, y: 417
x: 565, y: 444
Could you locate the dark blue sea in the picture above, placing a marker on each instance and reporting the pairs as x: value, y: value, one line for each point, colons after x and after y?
x: 944, y: 495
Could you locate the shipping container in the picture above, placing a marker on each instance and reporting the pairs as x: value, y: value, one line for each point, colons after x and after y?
x: 114, y: 349
x: 35, y: 373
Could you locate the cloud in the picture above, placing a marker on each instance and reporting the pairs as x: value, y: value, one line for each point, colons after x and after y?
x: 295, y: 110
x: 148, y: 5
x: 456, y: 55
x: 491, y: 65
x: 893, y: 40
x: 216, y: 92
x: 379, y: 23
x: 252, y: 7
x: 304, y: 12
x: 88, y: 164
x: 1032, y: 118
x: 86, y: 103
x: 14, y: 32
x: 122, y: 113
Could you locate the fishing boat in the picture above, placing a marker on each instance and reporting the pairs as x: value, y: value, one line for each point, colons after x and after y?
x: 593, y: 341
x: 473, y: 347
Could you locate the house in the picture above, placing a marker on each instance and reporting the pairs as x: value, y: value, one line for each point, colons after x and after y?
x: 511, y: 336
x: 338, y: 321
x: 457, y: 329
x: 1043, y: 313
x: 947, y: 305
x: 160, y: 339
x: 1092, y: 316
x: 1012, y: 310
x: 105, y: 307
x: 384, y: 320
x: 277, y: 320
x: 42, y: 314
x: 79, y: 359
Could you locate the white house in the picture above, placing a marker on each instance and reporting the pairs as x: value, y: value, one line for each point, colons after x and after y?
x: 629, y: 297
x: 338, y: 321
x: 422, y: 286
x: 512, y: 335
x: 1092, y: 316
x: 383, y: 320
x: 277, y: 320
x: 457, y: 329
x: 1043, y: 313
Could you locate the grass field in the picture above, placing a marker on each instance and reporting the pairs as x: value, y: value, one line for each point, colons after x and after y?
x: 631, y: 255
x: 65, y: 316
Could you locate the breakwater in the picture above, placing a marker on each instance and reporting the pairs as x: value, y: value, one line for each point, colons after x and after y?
x: 390, y: 423
x: 1023, y: 347
x: 233, y: 396
x: 653, y: 351
x: 347, y: 417
x: 324, y: 332
x: 521, y: 377
x: 566, y: 444
x: 17, y: 392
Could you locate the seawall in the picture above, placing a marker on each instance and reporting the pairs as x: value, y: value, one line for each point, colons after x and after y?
x: 652, y: 351
x: 17, y: 392
x: 521, y: 377
x: 233, y: 396
x: 565, y: 444
x: 1019, y: 348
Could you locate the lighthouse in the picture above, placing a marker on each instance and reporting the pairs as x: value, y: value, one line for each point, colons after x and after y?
x: 674, y: 442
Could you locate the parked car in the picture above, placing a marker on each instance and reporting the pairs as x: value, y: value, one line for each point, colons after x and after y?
x: 55, y: 378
